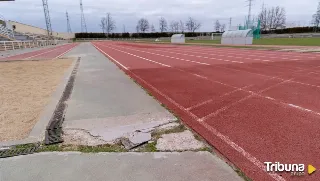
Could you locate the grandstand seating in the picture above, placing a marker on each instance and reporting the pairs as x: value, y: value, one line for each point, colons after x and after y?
x: 6, y: 34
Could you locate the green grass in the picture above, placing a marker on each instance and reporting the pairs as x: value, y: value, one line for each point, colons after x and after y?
x: 262, y: 41
x: 83, y: 149
x: 176, y: 129
x: 288, y: 41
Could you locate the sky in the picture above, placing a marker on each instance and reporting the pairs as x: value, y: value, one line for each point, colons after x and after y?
x: 128, y: 12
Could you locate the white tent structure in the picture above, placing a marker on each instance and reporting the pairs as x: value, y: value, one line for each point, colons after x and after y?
x: 178, y: 38
x: 237, y: 37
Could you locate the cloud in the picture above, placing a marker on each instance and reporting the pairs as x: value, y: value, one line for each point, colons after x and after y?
x: 128, y: 12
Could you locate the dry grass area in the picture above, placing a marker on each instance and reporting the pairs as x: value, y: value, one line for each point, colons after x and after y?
x: 25, y: 89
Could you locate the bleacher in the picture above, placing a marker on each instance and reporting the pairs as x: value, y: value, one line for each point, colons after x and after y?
x: 6, y: 34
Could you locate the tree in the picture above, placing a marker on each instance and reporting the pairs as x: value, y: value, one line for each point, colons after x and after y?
x: 223, y: 27
x: 163, y: 26
x: 153, y: 29
x: 174, y: 26
x: 316, y: 18
x: 110, y: 24
x: 138, y: 28
x: 192, y: 24
x: 272, y: 18
x: 181, y: 26
x: 217, y: 26
x: 103, y: 24
x: 143, y: 25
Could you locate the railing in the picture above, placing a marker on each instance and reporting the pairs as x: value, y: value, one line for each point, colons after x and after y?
x: 13, y: 45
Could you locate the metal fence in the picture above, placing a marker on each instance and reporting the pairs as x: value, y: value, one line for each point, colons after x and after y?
x: 13, y: 45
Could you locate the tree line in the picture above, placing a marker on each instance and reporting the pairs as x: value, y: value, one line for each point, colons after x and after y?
x: 272, y: 20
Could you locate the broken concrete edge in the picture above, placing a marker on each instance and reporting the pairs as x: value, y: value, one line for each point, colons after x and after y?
x: 37, y: 133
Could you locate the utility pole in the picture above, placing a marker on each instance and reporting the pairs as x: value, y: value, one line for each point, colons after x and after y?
x: 249, y: 13
x: 68, y: 23
x: 124, y: 28
x: 83, y: 20
x: 47, y: 17
x: 230, y: 21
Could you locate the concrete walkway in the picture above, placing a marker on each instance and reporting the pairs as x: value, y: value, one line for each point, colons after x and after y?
x: 72, y: 166
x: 105, y: 102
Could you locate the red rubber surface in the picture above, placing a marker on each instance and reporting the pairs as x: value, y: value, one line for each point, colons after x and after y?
x: 48, y: 53
x: 253, y: 106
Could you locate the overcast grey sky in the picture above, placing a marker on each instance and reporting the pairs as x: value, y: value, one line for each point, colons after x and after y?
x: 127, y: 12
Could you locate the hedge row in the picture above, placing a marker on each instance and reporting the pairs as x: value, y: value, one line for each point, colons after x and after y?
x: 307, y: 29
x: 187, y: 34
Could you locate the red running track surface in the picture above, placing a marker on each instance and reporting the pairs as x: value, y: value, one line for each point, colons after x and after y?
x: 48, y: 53
x: 253, y: 106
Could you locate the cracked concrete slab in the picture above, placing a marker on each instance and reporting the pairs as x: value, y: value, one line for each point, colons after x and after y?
x: 111, y: 129
x: 179, y: 142
x: 106, y: 103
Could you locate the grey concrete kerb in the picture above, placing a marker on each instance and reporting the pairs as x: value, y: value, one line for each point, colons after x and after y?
x: 38, y: 131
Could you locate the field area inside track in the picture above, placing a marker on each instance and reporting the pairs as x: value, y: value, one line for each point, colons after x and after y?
x: 253, y: 106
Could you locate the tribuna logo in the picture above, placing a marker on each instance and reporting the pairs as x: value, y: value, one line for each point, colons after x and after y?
x: 294, y: 169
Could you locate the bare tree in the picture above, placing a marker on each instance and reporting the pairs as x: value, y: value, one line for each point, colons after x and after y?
x: 163, y: 25
x: 103, y: 24
x: 278, y: 17
x: 223, y: 27
x: 217, y: 25
x: 192, y: 24
x: 138, y: 28
x: 152, y: 28
x: 143, y: 25
x: 272, y: 18
x: 316, y: 18
x: 174, y: 26
x: 110, y: 24
x: 181, y: 26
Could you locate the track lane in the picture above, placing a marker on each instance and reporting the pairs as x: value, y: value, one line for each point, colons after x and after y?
x: 44, y: 53
x: 210, y: 132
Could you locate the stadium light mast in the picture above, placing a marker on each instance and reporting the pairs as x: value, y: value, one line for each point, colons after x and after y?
x: 249, y: 13
x: 83, y: 20
x: 68, y: 23
x: 47, y: 17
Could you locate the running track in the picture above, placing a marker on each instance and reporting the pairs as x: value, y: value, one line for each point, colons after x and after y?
x: 253, y: 106
x: 48, y: 53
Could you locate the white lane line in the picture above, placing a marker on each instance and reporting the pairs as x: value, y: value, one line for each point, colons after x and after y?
x: 266, y: 60
x: 110, y: 57
x: 224, y: 138
x: 244, y: 153
x: 56, y: 48
x: 167, y: 56
x: 195, y: 55
x: 140, y: 57
x: 210, y: 100
x: 66, y: 52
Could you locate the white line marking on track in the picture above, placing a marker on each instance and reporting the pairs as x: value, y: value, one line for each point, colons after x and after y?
x: 168, y: 56
x: 224, y: 138
x: 110, y: 57
x: 56, y: 48
x: 140, y: 57
x: 65, y: 52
